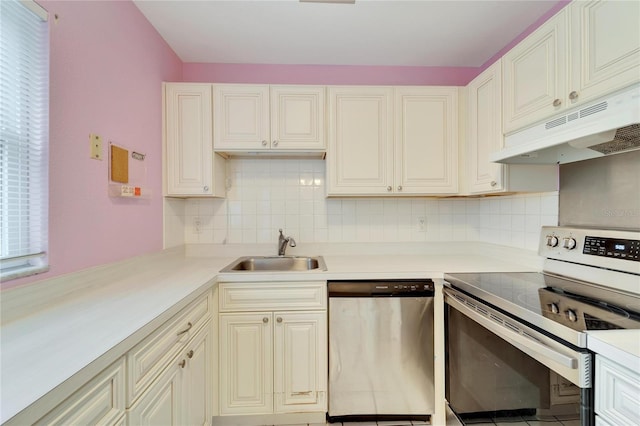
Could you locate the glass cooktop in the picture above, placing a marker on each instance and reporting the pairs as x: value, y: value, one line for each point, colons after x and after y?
x: 537, y: 298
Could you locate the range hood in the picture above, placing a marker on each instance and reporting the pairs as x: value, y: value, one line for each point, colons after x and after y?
x: 608, y: 126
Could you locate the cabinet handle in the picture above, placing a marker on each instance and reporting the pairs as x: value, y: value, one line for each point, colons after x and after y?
x: 399, y: 187
x: 279, y: 319
x: 189, y: 325
x: 206, y: 188
x: 190, y: 354
x: 302, y: 393
x: 494, y: 183
x: 573, y: 95
x: 265, y: 320
x: 275, y: 143
x: 557, y: 102
x: 389, y: 188
x: 264, y: 143
x: 182, y: 363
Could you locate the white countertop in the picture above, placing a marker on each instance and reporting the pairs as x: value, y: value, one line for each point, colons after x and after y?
x: 620, y: 346
x: 58, y: 333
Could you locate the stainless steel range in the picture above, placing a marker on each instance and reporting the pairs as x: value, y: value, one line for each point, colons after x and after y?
x: 517, y: 342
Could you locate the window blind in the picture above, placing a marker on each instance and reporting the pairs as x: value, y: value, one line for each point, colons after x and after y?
x: 24, y: 134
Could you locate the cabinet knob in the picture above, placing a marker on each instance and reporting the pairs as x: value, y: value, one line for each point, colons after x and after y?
x: 279, y: 319
x: 399, y: 187
x: 493, y: 183
x: 557, y: 102
x: 573, y: 95
x: 206, y: 188
x: 190, y: 354
x: 182, y: 363
x: 264, y: 143
x: 275, y: 143
x: 389, y: 188
x: 265, y: 320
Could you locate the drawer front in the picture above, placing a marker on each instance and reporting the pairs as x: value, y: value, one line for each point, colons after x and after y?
x: 256, y: 296
x: 149, y: 358
x: 617, y: 393
x: 99, y: 402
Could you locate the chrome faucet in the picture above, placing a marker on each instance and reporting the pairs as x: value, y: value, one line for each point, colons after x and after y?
x: 282, y: 243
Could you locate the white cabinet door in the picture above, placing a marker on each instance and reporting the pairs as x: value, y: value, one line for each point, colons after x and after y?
x: 300, y: 361
x: 188, y: 154
x: 605, y: 47
x: 360, y: 151
x: 426, y: 140
x: 297, y: 118
x: 246, y: 363
x: 189, y: 161
x: 198, y: 379
x: 484, y: 133
x: 163, y: 402
x: 535, y: 75
x: 241, y: 116
x: 617, y: 392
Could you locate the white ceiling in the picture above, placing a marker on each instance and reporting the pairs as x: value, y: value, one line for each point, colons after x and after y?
x: 370, y: 32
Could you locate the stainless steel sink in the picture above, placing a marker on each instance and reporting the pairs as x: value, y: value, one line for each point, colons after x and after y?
x: 276, y: 264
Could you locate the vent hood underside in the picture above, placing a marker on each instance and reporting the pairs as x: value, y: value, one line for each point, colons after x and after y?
x: 608, y: 126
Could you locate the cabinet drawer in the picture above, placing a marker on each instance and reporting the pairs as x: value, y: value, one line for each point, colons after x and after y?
x: 150, y: 357
x: 99, y: 402
x: 239, y: 297
x: 617, y: 393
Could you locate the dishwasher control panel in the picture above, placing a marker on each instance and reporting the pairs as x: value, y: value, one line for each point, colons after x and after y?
x: 385, y: 288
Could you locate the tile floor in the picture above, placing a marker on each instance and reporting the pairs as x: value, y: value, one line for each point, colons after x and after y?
x: 511, y: 421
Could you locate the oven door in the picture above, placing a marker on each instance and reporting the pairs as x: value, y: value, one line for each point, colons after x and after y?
x: 501, y: 370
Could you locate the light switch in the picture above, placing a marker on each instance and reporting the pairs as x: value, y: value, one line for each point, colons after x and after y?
x: 95, y: 143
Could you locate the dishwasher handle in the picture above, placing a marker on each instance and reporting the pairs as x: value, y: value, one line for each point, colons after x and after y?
x: 386, y: 288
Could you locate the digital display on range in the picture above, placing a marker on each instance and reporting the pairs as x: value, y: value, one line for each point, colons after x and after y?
x: 609, y: 247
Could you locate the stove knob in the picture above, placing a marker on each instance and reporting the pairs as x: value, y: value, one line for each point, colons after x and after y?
x: 569, y: 243
x: 552, y: 241
x: 571, y: 315
x: 554, y: 308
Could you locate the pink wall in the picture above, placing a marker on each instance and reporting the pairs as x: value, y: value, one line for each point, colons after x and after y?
x: 107, y: 65
x: 327, y: 74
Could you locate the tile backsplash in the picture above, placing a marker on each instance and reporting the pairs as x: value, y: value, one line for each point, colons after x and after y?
x: 265, y: 195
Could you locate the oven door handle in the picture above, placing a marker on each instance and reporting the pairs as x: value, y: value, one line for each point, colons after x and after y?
x: 526, y: 345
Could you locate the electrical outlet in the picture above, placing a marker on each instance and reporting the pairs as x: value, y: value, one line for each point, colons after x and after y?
x: 95, y: 144
x: 197, y: 225
x: 422, y: 224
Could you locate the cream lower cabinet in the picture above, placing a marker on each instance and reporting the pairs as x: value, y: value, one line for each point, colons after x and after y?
x: 191, y: 168
x: 572, y: 58
x: 182, y: 393
x: 484, y: 136
x: 273, y: 361
x: 617, y: 392
x: 392, y: 141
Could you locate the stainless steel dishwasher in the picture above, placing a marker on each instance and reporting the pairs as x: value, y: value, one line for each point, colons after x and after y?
x: 381, y: 350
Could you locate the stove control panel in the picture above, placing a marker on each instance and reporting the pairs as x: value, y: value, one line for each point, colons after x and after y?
x: 612, y: 247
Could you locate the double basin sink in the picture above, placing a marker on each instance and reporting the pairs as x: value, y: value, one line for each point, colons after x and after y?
x: 276, y: 264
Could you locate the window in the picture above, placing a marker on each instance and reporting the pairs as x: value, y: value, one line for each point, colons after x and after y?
x: 24, y: 136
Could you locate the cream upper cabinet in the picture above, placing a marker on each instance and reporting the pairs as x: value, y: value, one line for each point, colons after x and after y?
x: 426, y: 140
x: 392, y: 141
x: 360, y: 150
x: 484, y: 136
x: 297, y: 117
x: 191, y: 168
x: 605, y: 47
x: 263, y: 117
x: 484, y: 131
x: 586, y: 51
x: 534, y: 73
